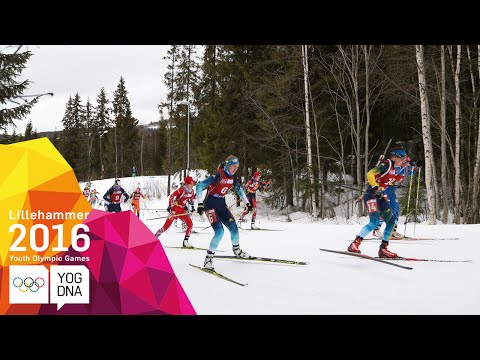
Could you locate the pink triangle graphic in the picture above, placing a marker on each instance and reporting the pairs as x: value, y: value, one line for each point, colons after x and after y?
x: 131, y: 266
x: 170, y: 301
x: 143, y: 252
x: 95, y: 254
x: 131, y: 304
x: 97, y: 226
x: 139, y: 284
x: 95, y: 215
x: 158, y: 259
x: 139, y: 233
x: 186, y: 306
x: 111, y: 234
x: 120, y: 222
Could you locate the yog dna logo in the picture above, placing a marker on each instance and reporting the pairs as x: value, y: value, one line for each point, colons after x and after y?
x: 68, y: 284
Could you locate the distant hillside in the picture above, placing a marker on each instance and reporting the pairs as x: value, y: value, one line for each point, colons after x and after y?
x: 47, y: 134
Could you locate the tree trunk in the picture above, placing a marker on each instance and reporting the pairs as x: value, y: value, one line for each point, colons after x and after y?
x: 308, y: 135
x: 457, y: 137
x: 427, y: 139
x: 469, y: 199
x: 141, y: 156
x: 476, y: 169
x: 320, y: 178
x: 116, y: 153
x: 170, y: 129
x: 358, y: 127
x: 443, y: 139
x: 367, y: 103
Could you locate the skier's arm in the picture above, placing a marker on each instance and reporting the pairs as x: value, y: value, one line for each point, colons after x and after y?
x: 124, y: 194
x: 204, y: 184
x: 106, y: 197
x: 380, y: 169
x: 247, y: 186
x: 239, y: 190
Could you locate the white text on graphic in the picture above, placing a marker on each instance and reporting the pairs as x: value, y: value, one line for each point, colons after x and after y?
x: 80, y: 242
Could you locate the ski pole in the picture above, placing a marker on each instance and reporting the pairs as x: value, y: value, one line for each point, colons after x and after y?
x: 169, y: 216
x: 416, y: 201
x: 205, y: 228
x: 158, y: 210
x: 408, y: 203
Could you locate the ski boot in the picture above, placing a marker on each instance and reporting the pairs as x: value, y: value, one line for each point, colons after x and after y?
x: 208, y: 263
x: 396, y: 235
x: 354, y: 246
x: 377, y: 233
x: 240, y: 253
x: 383, y: 252
x: 186, y: 244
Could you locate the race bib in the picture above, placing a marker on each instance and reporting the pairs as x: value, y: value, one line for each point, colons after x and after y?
x: 372, y: 206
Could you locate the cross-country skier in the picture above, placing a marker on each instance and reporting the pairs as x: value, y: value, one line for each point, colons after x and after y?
x: 251, y: 188
x: 410, y: 168
x: 86, y: 192
x: 216, y: 208
x: 177, y: 206
x: 93, y: 196
x: 379, y: 178
x: 136, y: 195
x: 112, y: 197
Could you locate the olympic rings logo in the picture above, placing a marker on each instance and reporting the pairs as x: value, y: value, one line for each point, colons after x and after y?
x: 28, y: 284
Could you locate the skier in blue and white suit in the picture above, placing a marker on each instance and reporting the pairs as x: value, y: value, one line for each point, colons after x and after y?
x: 216, y: 208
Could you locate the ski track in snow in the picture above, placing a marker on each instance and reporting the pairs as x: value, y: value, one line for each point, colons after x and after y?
x: 331, y: 283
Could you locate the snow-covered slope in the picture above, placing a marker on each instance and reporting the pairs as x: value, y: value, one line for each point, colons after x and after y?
x: 331, y: 283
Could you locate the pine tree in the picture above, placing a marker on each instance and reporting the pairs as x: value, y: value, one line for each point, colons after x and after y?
x: 172, y: 56
x: 73, y: 138
x: 125, y: 134
x: 186, y: 78
x: 103, y: 123
x: 29, y: 131
x: 14, y: 105
x: 91, y: 136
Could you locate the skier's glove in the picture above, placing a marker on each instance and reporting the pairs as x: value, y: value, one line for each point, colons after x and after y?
x: 200, y: 209
x: 248, y: 207
x: 169, y: 208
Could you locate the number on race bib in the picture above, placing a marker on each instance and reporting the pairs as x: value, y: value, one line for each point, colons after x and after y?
x: 372, y: 206
x: 212, y: 217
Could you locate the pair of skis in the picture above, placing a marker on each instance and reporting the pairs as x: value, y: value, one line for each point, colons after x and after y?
x: 189, y: 248
x: 387, y: 260
x: 414, y: 238
x: 251, y: 258
x: 261, y: 229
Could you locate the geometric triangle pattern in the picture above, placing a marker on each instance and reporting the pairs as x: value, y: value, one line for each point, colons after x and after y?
x: 129, y: 270
x: 37, y: 187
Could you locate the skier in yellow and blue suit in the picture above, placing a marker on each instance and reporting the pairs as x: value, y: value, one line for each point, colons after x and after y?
x: 380, y: 178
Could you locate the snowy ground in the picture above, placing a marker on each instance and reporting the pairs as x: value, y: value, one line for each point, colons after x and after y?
x: 331, y: 283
